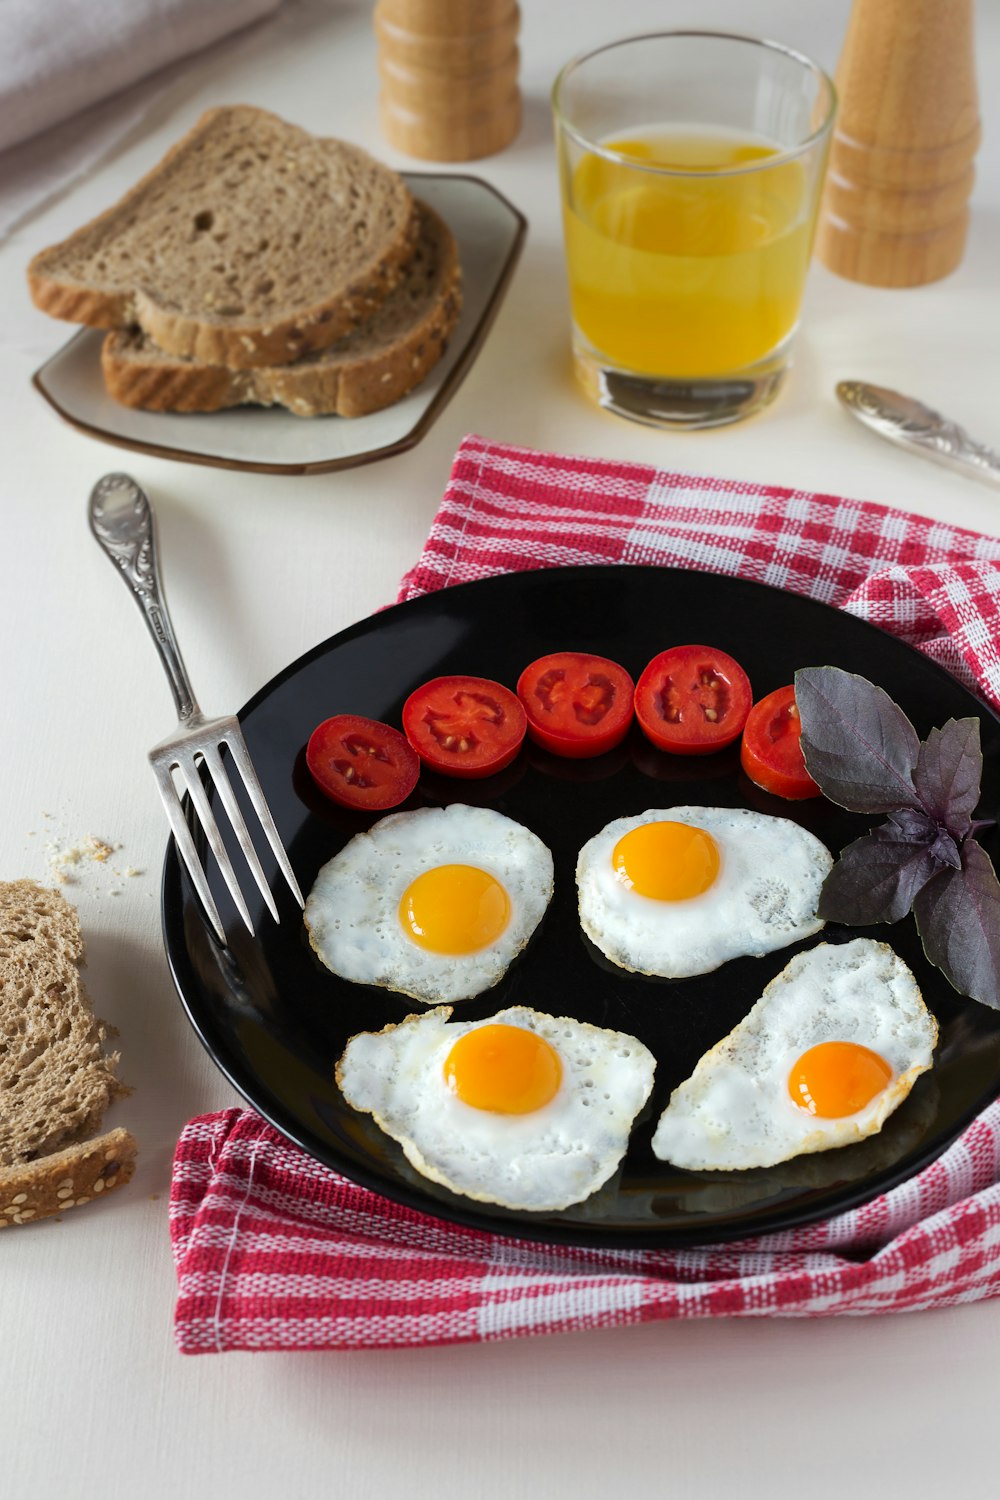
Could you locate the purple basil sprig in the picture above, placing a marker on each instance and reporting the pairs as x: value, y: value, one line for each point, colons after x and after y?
x: 865, y: 755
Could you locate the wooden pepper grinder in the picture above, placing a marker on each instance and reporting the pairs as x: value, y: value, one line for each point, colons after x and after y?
x: 895, y: 207
x: 449, y: 71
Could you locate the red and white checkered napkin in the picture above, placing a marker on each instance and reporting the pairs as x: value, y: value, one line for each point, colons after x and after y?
x: 276, y: 1252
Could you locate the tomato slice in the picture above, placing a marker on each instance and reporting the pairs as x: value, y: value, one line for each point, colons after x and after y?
x: 464, y: 726
x: 692, y: 700
x: 578, y: 705
x: 362, y: 763
x: 771, y: 752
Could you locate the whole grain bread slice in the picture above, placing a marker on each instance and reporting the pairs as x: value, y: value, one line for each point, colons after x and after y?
x: 251, y: 243
x: 56, y: 1078
x: 66, y: 1179
x: 365, y: 371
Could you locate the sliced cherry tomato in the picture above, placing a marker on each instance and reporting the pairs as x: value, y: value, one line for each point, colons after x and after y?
x: 362, y: 763
x: 577, y: 705
x: 464, y: 726
x: 692, y: 700
x: 771, y: 752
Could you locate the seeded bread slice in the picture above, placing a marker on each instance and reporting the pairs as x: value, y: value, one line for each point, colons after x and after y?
x: 56, y: 1079
x: 369, y: 369
x: 67, y: 1179
x: 250, y: 244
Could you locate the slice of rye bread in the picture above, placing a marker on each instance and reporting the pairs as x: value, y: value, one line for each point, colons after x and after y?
x: 56, y: 1080
x: 66, y: 1179
x: 364, y: 372
x: 250, y: 244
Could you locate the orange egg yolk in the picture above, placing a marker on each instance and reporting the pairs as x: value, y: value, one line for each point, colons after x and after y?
x: 666, y: 861
x: 837, y: 1079
x: 454, y: 909
x: 504, y: 1069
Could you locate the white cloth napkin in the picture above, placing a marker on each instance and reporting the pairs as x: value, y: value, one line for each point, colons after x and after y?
x: 68, y: 76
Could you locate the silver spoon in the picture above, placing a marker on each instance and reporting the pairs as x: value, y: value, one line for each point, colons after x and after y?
x: 916, y: 427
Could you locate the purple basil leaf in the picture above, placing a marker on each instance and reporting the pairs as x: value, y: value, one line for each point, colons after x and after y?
x: 908, y: 826
x: 859, y: 745
x: 945, y: 850
x: 875, y: 880
x: 958, y: 918
x: 948, y: 772
x: 913, y: 829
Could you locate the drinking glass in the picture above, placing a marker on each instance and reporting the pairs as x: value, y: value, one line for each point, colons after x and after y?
x: 690, y: 168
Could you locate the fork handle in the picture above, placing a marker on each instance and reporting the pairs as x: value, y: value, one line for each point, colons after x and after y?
x: 121, y: 519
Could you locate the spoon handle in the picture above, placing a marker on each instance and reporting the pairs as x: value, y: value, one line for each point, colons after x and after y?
x: 122, y: 522
x: 913, y: 425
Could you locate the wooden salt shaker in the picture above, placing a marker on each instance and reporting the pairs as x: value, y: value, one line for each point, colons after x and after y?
x: 449, y: 72
x: 895, y: 207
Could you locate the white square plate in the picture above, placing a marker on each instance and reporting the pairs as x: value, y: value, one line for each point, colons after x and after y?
x: 270, y: 440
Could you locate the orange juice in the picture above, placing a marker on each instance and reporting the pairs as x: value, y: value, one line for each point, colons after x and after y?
x: 698, y: 274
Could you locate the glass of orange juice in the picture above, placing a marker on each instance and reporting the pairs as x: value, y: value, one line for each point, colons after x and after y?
x: 690, y: 166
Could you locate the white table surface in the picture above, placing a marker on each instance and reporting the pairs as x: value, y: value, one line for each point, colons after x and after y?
x: 94, y: 1399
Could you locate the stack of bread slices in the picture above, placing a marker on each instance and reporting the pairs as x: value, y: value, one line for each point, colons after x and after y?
x: 258, y: 264
x: 57, y: 1077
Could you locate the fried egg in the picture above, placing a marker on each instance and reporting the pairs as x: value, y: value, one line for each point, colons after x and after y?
x: 827, y: 1053
x: 434, y: 903
x: 680, y: 890
x: 526, y: 1110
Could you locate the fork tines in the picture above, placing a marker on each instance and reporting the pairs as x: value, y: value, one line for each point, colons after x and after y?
x: 199, y: 745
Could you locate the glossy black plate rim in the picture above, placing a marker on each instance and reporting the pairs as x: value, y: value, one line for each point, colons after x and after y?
x: 485, y: 1218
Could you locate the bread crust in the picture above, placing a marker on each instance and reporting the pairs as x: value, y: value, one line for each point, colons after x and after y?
x: 345, y: 384
x: 246, y: 344
x: 67, y: 1179
x: 56, y: 1079
x: 169, y: 384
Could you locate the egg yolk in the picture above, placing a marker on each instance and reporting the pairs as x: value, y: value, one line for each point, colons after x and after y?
x: 666, y: 861
x: 837, y: 1079
x: 504, y: 1069
x: 454, y: 909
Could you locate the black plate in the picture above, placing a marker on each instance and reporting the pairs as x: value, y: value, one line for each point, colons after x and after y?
x: 275, y: 1020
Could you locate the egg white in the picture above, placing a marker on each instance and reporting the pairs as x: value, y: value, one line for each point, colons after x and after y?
x: 545, y: 1160
x: 352, y: 912
x: 735, y: 1111
x: 764, y: 897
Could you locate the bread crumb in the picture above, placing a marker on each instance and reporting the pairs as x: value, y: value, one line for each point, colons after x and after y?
x: 64, y: 858
x: 70, y: 861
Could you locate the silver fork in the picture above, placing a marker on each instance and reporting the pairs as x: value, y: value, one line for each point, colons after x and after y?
x: 122, y: 521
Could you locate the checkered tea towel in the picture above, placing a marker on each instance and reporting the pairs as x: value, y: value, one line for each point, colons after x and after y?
x: 274, y: 1251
